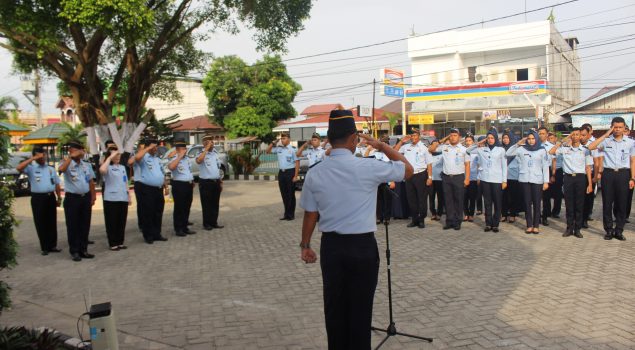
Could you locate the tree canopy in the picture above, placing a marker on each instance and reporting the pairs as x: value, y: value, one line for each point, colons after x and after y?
x: 248, y: 100
x: 104, y: 50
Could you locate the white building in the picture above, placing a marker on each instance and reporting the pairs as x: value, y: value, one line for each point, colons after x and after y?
x: 511, y: 74
x: 194, y: 100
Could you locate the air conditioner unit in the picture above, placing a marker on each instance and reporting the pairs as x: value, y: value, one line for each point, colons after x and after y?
x: 543, y: 72
x: 480, y: 77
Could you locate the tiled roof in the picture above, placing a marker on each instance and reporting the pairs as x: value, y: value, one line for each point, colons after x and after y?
x: 321, y: 109
x: 195, y: 123
x: 53, y: 131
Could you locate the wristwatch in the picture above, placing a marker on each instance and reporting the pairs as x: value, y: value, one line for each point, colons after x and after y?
x: 305, y: 245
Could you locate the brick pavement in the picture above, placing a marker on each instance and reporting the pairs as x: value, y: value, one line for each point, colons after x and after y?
x: 244, y: 287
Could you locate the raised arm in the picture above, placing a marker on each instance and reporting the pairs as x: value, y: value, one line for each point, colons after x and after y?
x: 103, y: 169
x: 600, y: 139
x: 175, y: 163
x: 433, y: 147
x: 25, y: 163
x: 139, y: 155
x: 301, y: 149
x: 201, y: 157
x: 391, y: 153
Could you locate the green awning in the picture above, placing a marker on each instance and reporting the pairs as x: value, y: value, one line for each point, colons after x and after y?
x: 47, y: 134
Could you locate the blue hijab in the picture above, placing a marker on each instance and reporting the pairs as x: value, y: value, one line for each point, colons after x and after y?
x: 537, y: 145
x: 497, y: 142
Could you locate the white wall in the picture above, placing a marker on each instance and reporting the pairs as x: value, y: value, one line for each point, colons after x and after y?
x: 194, y: 101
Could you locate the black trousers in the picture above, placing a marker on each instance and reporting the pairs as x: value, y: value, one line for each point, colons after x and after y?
x: 78, y: 211
x: 614, y: 199
x: 588, y: 201
x: 416, y: 192
x: 533, y: 193
x: 138, y: 194
x: 454, y: 191
x: 384, y: 203
x: 151, y: 205
x: 493, y: 196
x: 437, y: 191
x: 182, y: 192
x: 553, y: 192
x: 44, y: 207
x: 479, y: 198
x: 350, y: 264
x: 471, y: 195
x: 287, y: 191
x: 574, y: 197
x: 512, y: 198
x: 629, y: 203
x: 115, y: 215
x: 210, y: 200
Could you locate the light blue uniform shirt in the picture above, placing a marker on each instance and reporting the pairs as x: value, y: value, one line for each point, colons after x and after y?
x: 617, y: 154
x: 417, y: 155
x: 492, y: 163
x: 513, y: 168
x: 343, y: 189
x: 77, y: 177
x: 42, y: 178
x: 210, y: 167
x: 454, y: 159
x: 547, y: 146
x: 136, y: 171
x: 116, y: 184
x: 314, y: 155
x: 381, y: 156
x: 437, y: 167
x: 474, y: 167
x: 286, y: 156
x: 575, y: 159
x: 533, y: 165
x: 150, y: 171
x: 183, y: 170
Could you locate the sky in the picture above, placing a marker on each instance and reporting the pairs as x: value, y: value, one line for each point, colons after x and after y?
x: 342, y: 25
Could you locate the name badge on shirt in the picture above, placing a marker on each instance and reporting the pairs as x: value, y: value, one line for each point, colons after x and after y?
x: 489, y: 163
x: 624, y: 156
x: 456, y: 159
x: 289, y: 159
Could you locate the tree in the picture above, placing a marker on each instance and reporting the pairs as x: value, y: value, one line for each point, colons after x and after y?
x: 261, y: 94
x: 8, y: 245
x: 5, y: 102
x: 73, y: 133
x: 102, y: 49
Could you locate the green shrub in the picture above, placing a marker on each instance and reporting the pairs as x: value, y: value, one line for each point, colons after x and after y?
x: 22, y: 338
x: 243, y: 161
x: 8, y: 245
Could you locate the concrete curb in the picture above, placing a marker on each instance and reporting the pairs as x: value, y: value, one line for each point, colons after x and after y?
x: 238, y: 177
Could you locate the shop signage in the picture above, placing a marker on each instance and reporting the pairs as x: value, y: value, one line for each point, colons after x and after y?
x: 418, y: 119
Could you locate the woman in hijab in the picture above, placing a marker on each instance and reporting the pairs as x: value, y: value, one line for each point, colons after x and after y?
x: 471, y: 191
x: 533, y: 176
x: 512, y: 195
x: 492, y: 175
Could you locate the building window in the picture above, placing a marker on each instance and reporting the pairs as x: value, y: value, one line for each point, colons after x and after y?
x: 522, y: 74
x: 471, y: 74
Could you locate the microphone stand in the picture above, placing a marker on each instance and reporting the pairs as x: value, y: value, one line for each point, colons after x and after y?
x: 391, y: 330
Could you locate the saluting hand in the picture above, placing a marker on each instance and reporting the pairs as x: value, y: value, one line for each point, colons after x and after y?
x: 308, y: 256
x: 609, y: 132
x: 522, y: 141
x: 376, y: 144
x: 545, y: 187
x: 38, y: 156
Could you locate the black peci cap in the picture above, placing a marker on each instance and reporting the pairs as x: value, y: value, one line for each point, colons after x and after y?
x: 75, y: 144
x: 341, y: 124
x: 208, y: 138
x: 37, y: 149
x: 455, y: 131
x: 284, y: 134
x: 316, y: 136
x: 150, y: 140
x: 180, y: 143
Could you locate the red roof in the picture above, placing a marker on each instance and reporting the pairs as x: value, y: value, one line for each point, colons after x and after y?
x: 321, y: 109
x: 195, y: 123
x: 65, y: 102
x: 379, y: 116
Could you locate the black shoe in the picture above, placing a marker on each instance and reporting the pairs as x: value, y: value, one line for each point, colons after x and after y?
x: 76, y: 257
x: 149, y: 241
x: 487, y: 229
x: 577, y: 233
x: 608, y: 236
x: 44, y: 252
x: 412, y: 224
x: 422, y: 224
x: 589, y: 219
x: 217, y: 226
x: 291, y: 218
x: 161, y: 238
x: 619, y: 237
x: 447, y: 227
x: 86, y: 255
x: 495, y: 229
x: 207, y: 228
x: 54, y: 250
x: 189, y: 232
x: 585, y: 224
x: 457, y: 227
x: 544, y: 222
x: 555, y: 216
x: 189, y: 223
x: 91, y: 242
x: 283, y: 218
x: 568, y: 232
x: 180, y: 233
x: 627, y: 221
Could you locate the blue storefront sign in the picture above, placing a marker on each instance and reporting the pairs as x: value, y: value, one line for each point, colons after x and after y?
x: 600, y: 121
x: 393, y: 91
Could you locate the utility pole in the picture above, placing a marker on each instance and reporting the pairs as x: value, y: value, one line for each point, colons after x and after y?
x: 31, y: 89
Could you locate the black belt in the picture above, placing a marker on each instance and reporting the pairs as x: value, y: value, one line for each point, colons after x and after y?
x: 78, y: 195
x: 208, y: 180
x: 185, y: 182
x: 367, y: 234
x: 575, y: 174
x: 618, y: 170
x: 452, y: 175
x: 35, y: 194
x: 159, y: 187
x: 283, y: 170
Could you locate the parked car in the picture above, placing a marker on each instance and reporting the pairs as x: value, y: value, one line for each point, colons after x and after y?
x: 192, y: 152
x: 18, y: 183
x: 304, y: 167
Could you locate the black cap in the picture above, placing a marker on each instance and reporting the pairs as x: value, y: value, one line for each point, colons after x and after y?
x: 341, y: 124
x: 150, y: 140
x: 316, y: 136
x: 109, y: 142
x: 414, y: 130
x: 37, y: 149
x: 208, y: 138
x: 455, y: 131
x: 284, y: 134
x: 112, y: 148
x: 180, y: 143
x: 75, y: 144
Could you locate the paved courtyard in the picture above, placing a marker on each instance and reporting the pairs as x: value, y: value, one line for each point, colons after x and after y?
x: 244, y: 287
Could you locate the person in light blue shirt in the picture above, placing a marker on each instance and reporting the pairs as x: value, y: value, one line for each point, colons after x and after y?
x: 312, y: 150
x: 210, y: 184
x: 182, y: 183
x: 549, y: 194
x: 417, y: 187
x: 289, y: 165
x: 556, y: 180
x: 533, y: 176
x: 437, y: 200
x: 456, y: 176
x: 577, y: 163
x: 618, y: 176
x: 79, y: 187
x: 472, y: 190
x: 342, y: 190
x: 45, y: 186
x: 116, y: 198
x: 152, y: 188
x: 492, y: 162
x: 512, y: 195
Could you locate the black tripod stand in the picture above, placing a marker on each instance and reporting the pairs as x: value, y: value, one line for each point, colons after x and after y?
x: 392, y: 329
